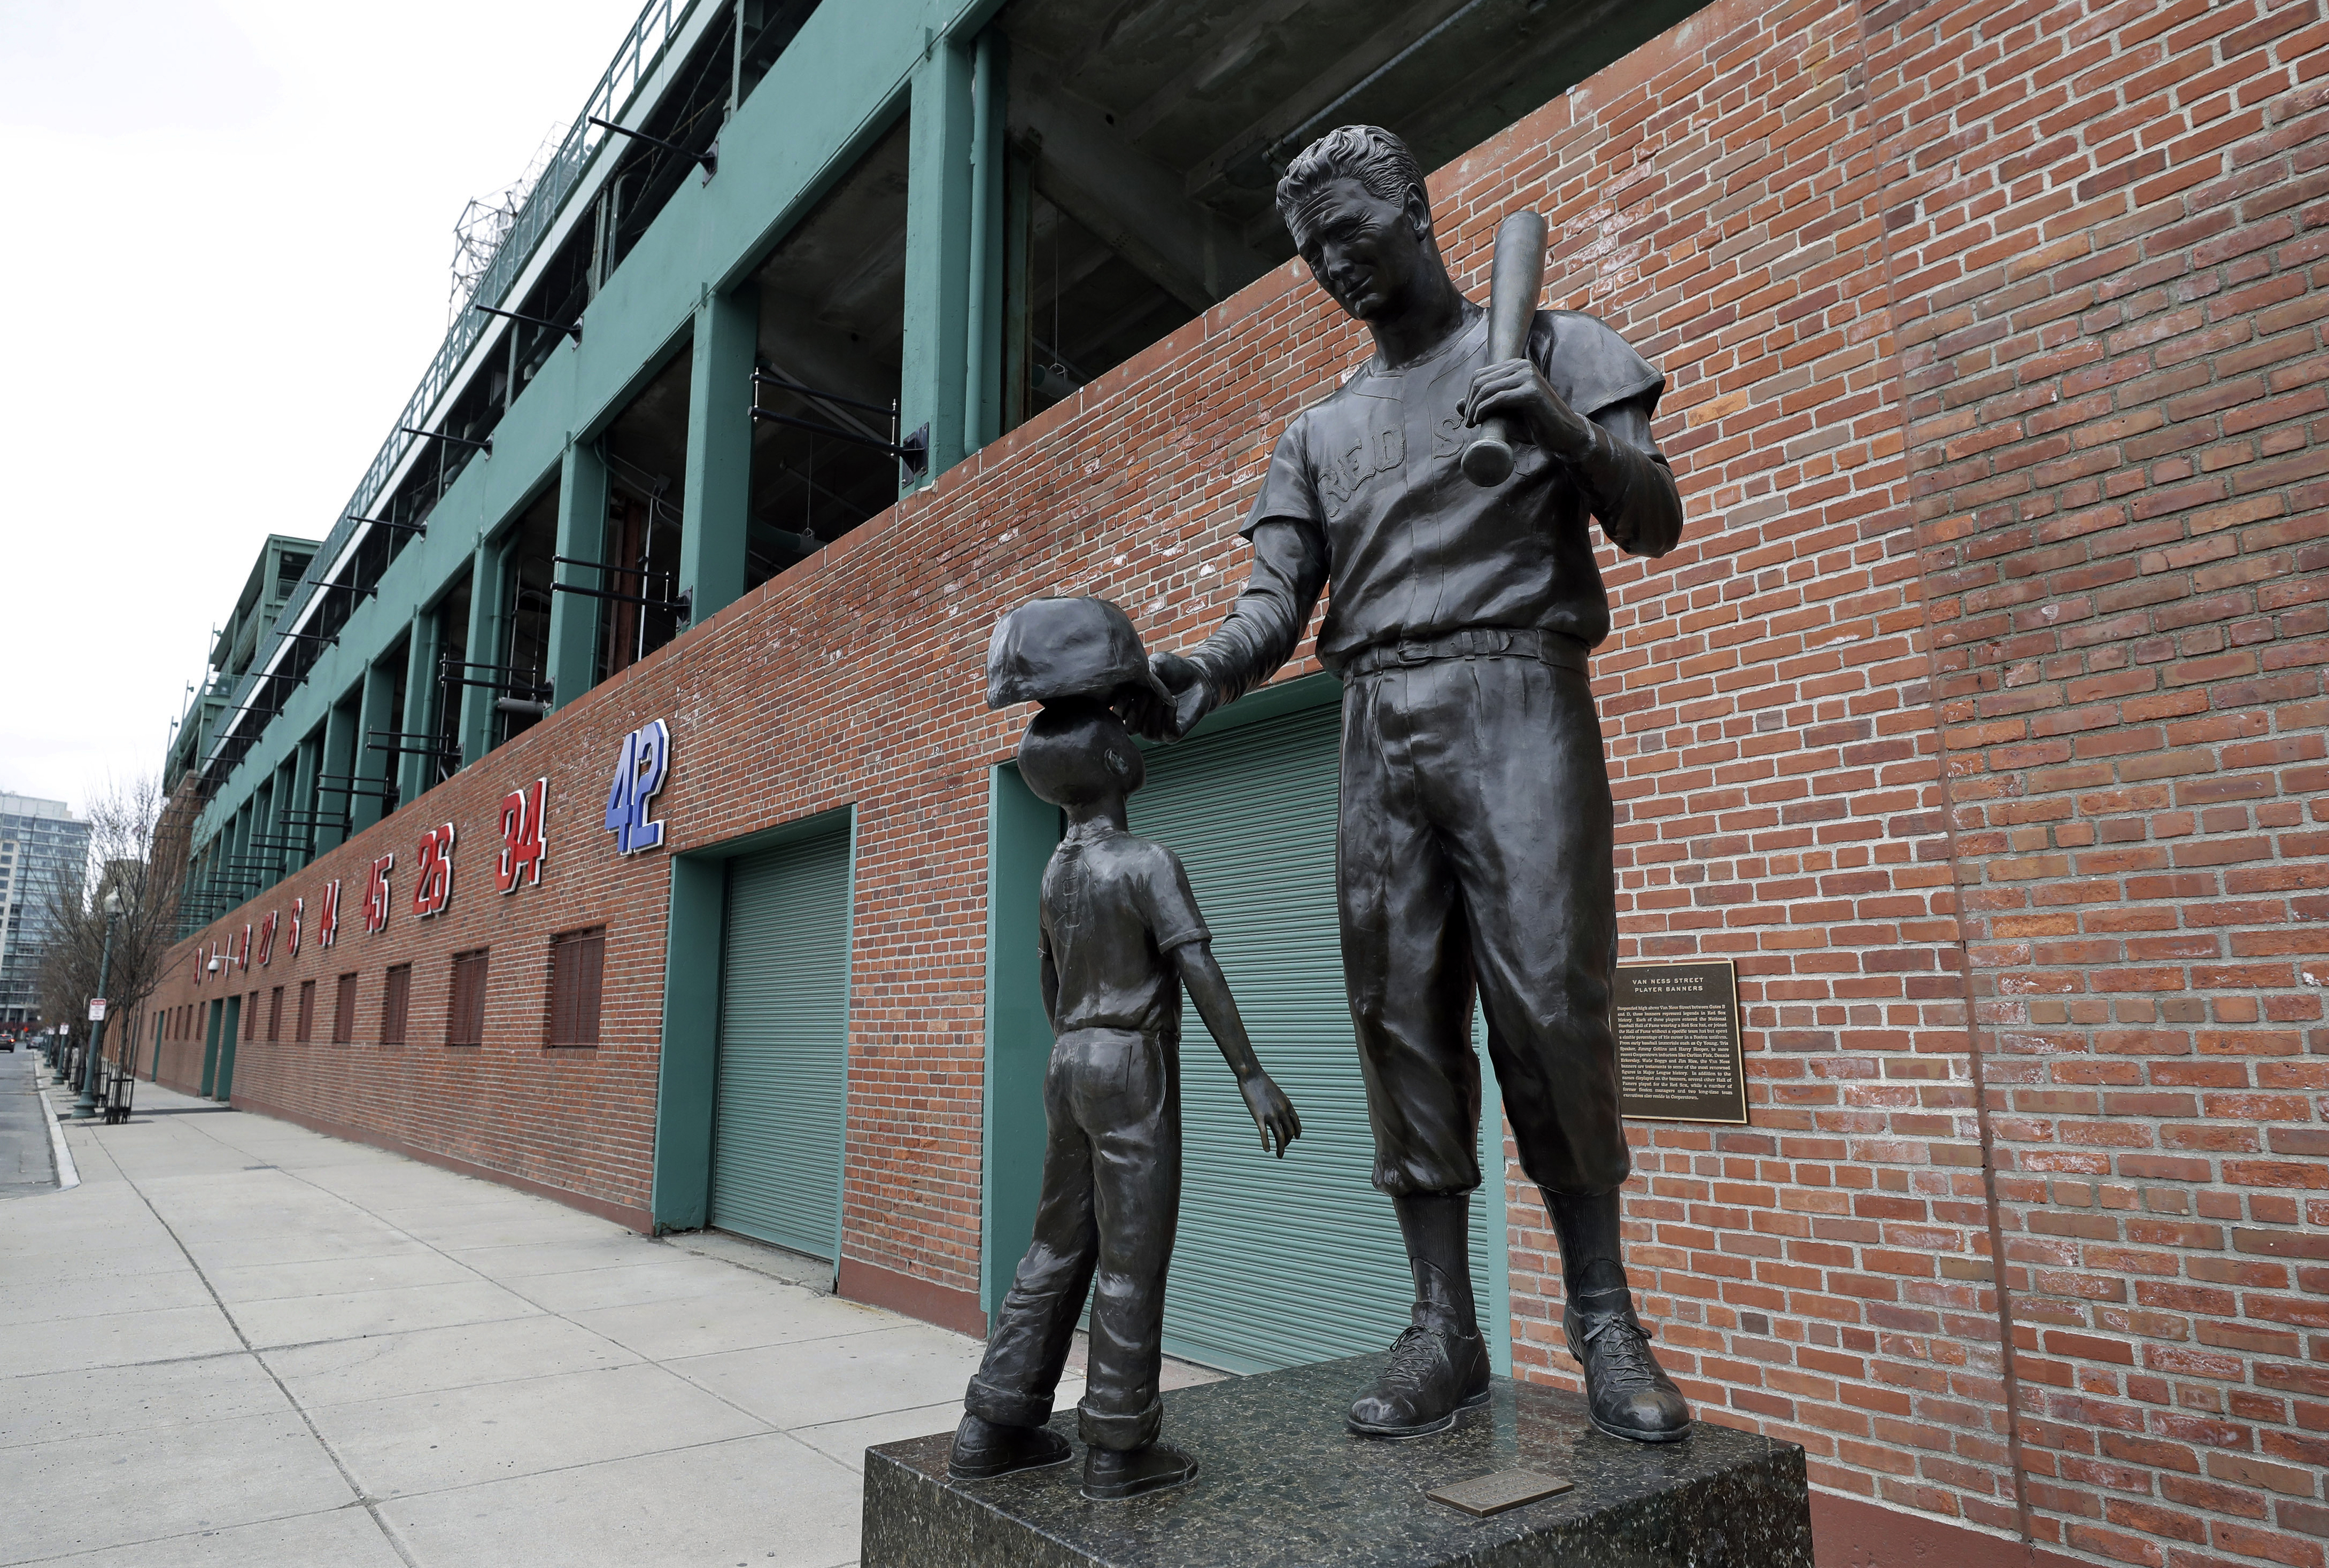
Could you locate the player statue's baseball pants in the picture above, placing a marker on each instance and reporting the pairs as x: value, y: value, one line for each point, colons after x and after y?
x: 1111, y: 1199
x: 1475, y: 852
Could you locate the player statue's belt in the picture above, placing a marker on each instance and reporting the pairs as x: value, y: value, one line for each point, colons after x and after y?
x: 1554, y: 648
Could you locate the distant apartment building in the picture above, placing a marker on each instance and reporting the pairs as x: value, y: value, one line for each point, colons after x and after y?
x: 39, y: 840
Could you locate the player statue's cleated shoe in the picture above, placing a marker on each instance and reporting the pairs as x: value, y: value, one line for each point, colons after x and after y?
x: 1432, y: 1375
x: 984, y: 1449
x: 1629, y: 1394
x: 1112, y: 1475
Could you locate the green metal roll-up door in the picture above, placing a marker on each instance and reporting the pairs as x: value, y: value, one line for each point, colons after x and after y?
x: 784, y: 1074
x: 1282, y: 1262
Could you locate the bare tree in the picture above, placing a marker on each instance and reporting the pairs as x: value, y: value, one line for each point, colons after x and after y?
x: 136, y: 866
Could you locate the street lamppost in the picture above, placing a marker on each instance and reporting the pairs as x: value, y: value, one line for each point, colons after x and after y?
x: 85, y: 1107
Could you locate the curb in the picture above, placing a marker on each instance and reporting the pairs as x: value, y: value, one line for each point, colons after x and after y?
x: 68, y: 1173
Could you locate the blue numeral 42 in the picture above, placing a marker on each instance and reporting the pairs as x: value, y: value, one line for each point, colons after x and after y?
x: 639, y: 773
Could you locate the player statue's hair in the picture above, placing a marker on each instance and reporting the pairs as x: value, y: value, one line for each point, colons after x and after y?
x: 1378, y: 160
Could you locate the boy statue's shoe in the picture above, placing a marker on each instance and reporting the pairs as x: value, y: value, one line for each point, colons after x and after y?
x: 1629, y: 1394
x: 1110, y: 1476
x: 1432, y: 1375
x: 982, y: 1449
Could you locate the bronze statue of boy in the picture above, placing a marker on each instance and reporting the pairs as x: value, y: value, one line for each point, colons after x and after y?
x: 1474, y: 854
x: 1121, y: 936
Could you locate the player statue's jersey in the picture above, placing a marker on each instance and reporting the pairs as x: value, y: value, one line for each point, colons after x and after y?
x: 1415, y: 549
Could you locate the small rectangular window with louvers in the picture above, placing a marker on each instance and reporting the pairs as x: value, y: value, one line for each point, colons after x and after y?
x: 307, y: 1031
x: 578, y: 960
x: 465, y: 1019
x: 395, y: 1000
x: 274, y: 1016
x: 344, y: 1012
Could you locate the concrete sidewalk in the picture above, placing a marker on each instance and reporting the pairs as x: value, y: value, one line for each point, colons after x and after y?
x: 238, y: 1341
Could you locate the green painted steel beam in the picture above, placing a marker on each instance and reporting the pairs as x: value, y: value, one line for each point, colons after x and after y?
x: 374, y: 713
x: 936, y: 345
x: 1022, y: 831
x: 419, y: 719
x: 983, y: 297
x: 482, y: 644
x: 687, y: 1065
x: 582, y: 535
x: 716, y: 503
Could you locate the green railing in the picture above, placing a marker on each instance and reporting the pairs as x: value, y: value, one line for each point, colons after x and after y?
x: 641, y: 52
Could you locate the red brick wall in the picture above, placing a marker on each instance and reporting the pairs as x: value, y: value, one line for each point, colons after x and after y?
x: 2108, y: 228
x: 1995, y: 369
x: 578, y: 1122
x: 1823, y: 1274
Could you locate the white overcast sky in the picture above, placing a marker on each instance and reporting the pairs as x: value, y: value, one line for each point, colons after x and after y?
x: 224, y: 264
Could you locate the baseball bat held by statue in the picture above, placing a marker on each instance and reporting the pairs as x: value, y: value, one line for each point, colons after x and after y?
x: 1515, y: 277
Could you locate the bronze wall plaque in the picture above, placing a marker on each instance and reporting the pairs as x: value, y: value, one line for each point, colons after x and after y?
x: 1678, y: 1051
x: 1493, y: 1494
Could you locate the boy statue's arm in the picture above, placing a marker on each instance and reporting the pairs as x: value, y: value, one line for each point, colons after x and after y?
x: 1273, y: 1112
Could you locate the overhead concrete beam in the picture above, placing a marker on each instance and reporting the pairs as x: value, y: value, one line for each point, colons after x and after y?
x: 1244, y: 159
x: 816, y: 353
x: 1132, y: 203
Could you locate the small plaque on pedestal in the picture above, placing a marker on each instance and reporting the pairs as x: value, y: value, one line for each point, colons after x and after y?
x: 1281, y: 1483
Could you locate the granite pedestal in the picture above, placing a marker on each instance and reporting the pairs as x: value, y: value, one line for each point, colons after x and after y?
x: 1281, y: 1484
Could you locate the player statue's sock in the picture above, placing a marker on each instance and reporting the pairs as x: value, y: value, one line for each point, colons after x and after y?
x: 1592, y: 1246
x: 1628, y: 1392
x: 1438, y: 1366
x: 1438, y: 1229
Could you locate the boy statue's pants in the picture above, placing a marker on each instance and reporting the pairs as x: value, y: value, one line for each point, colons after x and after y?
x: 1112, y: 1197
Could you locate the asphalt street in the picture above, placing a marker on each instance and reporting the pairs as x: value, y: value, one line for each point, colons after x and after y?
x: 27, y: 1165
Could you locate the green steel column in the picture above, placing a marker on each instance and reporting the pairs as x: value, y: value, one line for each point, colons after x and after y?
x: 270, y: 827
x: 302, y: 802
x: 229, y: 1031
x: 211, y: 1049
x: 1022, y: 831
x: 341, y: 740
x: 238, y: 838
x: 286, y: 804
x: 477, y: 731
x: 419, y: 716
x: 582, y: 534
x: 267, y: 806
x: 1018, y: 225
x: 716, y: 506
x: 982, y: 411
x: 372, y: 770
x: 937, y: 254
